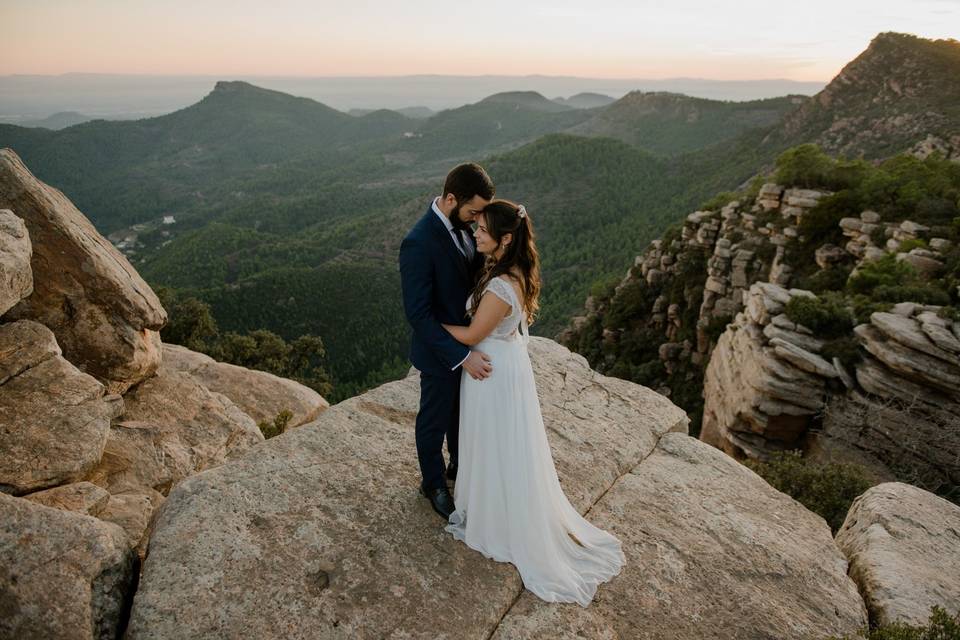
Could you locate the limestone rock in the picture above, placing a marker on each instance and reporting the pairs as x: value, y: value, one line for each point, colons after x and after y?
x: 81, y: 497
x: 794, y: 337
x: 320, y: 532
x: 912, y: 363
x: 259, y: 394
x: 16, y: 276
x: 803, y: 359
x: 54, y: 419
x: 769, y: 566
x: 904, y: 551
x: 62, y: 575
x: 765, y: 385
x: 938, y: 331
x: 105, y: 317
x: 173, y: 427
x: 926, y: 266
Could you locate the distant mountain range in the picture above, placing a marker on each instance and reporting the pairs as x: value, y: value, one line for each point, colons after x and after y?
x: 288, y: 213
x: 25, y: 97
x: 60, y: 120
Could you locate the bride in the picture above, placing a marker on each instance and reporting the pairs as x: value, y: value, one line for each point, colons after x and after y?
x: 509, y: 503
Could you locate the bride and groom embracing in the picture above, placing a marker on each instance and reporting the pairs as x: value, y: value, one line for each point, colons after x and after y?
x: 468, y: 296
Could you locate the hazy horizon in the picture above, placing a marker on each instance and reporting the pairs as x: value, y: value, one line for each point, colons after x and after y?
x: 30, y: 97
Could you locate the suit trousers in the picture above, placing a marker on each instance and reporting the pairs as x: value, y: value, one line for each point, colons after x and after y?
x: 439, y: 417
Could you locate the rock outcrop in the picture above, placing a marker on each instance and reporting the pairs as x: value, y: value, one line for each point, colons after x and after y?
x: 173, y: 427
x: 54, y: 419
x: 319, y: 532
x: 259, y: 394
x: 62, y: 575
x: 708, y: 301
x: 903, y: 544
x: 105, y: 317
x: 16, y: 277
x: 766, y: 382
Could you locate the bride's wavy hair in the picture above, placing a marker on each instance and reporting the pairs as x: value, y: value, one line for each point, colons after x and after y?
x: 503, y: 217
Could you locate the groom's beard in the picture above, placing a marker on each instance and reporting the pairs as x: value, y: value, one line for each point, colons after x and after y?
x: 458, y: 223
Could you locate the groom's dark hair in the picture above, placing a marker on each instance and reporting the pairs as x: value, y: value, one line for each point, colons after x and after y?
x: 468, y: 180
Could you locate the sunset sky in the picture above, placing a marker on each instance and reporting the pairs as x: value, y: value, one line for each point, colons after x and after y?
x: 749, y: 39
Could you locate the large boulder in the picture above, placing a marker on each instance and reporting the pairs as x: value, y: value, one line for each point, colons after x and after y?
x: 259, y: 394
x: 54, y: 419
x: 903, y: 544
x: 173, y: 427
x: 106, y: 318
x: 713, y: 551
x: 320, y: 531
x: 16, y: 277
x: 62, y: 575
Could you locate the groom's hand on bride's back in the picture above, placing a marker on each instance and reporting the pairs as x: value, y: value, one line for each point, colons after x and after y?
x: 478, y: 365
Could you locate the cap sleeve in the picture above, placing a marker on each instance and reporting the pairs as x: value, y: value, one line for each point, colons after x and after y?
x: 503, y: 290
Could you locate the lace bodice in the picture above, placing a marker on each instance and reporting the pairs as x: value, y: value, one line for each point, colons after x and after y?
x: 515, y: 322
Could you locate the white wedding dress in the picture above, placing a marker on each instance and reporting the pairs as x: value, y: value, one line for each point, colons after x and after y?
x: 510, y: 506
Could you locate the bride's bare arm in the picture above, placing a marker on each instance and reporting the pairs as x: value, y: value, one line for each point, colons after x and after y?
x: 491, y: 311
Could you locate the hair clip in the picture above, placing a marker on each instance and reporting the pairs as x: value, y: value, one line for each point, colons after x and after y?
x: 522, y: 211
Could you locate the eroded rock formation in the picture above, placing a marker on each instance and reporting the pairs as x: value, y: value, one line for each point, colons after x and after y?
x: 105, y: 317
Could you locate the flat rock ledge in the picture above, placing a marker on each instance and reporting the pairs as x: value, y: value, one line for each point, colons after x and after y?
x: 903, y: 544
x: 320, y: 533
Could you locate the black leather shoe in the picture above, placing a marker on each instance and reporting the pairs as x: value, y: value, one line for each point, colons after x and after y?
x: 441, y: 500
x: 452, y: 471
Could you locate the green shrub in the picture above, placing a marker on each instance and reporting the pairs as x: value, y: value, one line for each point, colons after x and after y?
x: 827, y: 316
x: 719, y: 201
x: 826, y: 489
x: 887, y: 271
x: 921, y: 293
x: 278, y: 426
x: 190, y: 322
x: 940, y: 626
x: 821, y: 224
x: 864, y: 306
x: 879, y: 236
x: 804, y: 166
x: 912, y: 243
x: 832, y: 278
x: 846, y: 350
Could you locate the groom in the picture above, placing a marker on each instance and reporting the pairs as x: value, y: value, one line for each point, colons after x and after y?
x: 438, y: 264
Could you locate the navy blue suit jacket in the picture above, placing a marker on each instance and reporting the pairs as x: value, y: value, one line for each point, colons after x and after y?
x: 436, y: 280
